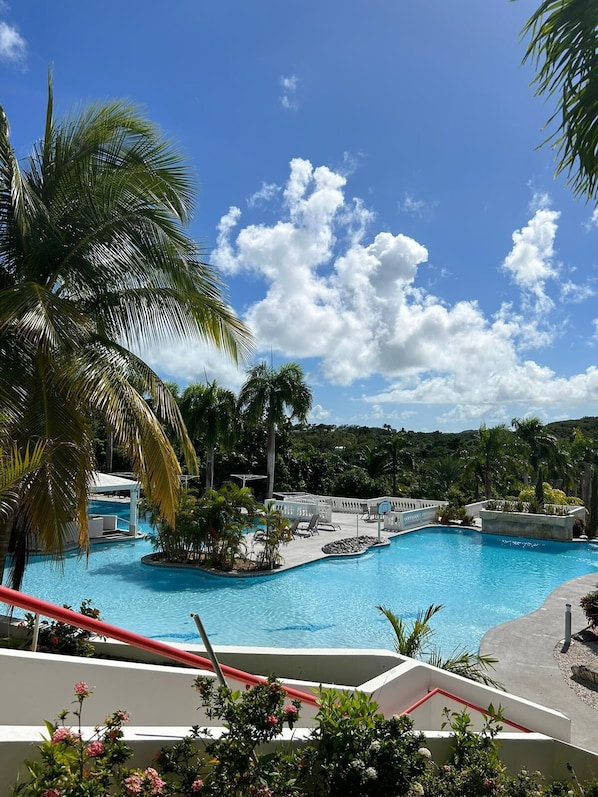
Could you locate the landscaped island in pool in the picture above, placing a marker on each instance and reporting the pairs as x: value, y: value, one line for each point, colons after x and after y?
x: 330, y: 603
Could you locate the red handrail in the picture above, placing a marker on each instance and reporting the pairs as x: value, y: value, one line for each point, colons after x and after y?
x: 38, y: 606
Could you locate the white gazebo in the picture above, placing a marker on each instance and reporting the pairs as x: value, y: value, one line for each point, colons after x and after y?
x: 110, y: 483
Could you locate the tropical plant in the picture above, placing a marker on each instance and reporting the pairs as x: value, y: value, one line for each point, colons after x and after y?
x: 94, y: 261
x: 56, y: 637
x: 593, y: 524
x: 491, y: 456
x: 542, y: 445
x: 16, y: 467
x: 563, y: 46
x: 271, y: 395
x: 397, y: 447
x: 206, y: 531
x: 273, y: 533
x: 414, y: 641
x: 210, y: 415
x: 589, y: 603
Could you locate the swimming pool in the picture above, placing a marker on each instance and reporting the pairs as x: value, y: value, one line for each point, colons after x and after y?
x: 481, y: 581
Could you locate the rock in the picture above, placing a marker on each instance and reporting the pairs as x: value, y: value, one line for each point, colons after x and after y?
x: 588, y: 674
x: 350, y: 545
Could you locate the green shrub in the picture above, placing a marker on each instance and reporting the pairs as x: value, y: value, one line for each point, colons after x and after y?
x: 589, y: 603
x: 56, y: 637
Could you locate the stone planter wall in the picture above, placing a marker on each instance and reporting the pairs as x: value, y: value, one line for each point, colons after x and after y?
x: 524, y: 524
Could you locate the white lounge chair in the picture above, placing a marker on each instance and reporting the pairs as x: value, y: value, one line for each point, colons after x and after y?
x: 303, y: 530
x: 366, y: 514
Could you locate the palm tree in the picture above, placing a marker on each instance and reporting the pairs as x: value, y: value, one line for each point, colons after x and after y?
x: 17, y: 466
x: 563, y: 45
x: 491, y: 456
x: 446, y: 472
x: 94, y: 261
x: 210, y: 415
x: 414, y: 642
x: 270, y: 396
x: 541, y: 444
x: 396, y: 446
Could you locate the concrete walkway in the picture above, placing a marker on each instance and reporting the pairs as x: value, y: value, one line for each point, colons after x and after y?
x: 308, y: 549
x: 527, y: 666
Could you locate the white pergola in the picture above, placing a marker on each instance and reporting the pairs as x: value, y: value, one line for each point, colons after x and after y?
x: 110, y: 483
x: 247, y: 477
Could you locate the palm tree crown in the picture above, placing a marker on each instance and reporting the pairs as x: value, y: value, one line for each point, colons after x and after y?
x: 210, y: 415
x: 270, y: 395
x: 563, y: 45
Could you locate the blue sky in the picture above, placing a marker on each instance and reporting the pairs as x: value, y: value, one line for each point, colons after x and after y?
x: 370, y: 187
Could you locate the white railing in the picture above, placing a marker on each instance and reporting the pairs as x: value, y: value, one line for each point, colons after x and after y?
x: 400, y: 521
x: 304, y: 509
x: 355, y: 506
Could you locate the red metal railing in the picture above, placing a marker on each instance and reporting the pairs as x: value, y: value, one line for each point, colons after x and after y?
x: 437, y: 691
x: 38, y: 606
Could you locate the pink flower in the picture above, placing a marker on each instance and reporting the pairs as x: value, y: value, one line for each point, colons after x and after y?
x: 51, y: 793
x: 290, y: 711
x: 133, y: 784
x: 155, y: 781
x: 119, y: 716
x: 95, y: 749
x: 271, y: 720
x: 197, y: 784
x: 81, y: 689
x: 61, y: 735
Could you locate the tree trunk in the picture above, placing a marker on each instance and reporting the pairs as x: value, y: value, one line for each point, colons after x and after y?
x: 210, y: 469
x: 586, y: 484
x: 108, y: 464
x: 5, y: 532
x: 270, y: 459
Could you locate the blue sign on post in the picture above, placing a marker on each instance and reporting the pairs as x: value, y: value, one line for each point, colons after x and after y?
x: 384, y: 507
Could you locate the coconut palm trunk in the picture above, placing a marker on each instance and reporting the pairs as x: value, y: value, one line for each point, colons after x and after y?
x: 270, y: 459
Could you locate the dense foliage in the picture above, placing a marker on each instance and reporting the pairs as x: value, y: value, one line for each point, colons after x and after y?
x: 364, y: 462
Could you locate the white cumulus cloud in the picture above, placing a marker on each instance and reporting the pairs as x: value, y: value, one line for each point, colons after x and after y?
x: 12, y: 44
x: 350, y: 298
x: 289, y: 92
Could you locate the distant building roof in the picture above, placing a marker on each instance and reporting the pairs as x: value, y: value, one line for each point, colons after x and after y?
x: 109, y: 482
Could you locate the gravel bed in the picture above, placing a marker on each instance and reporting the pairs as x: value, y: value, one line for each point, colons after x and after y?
x: 349, y: 545
x: 583, y: 650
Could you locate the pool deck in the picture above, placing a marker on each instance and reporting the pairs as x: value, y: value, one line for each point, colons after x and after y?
x: 527, y: 667
x: 524, y: 647
x: 302, y: 550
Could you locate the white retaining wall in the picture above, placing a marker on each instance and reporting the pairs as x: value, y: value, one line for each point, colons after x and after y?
x: 163, y: 706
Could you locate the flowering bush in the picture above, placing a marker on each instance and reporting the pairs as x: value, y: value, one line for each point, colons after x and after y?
x: 72, y: 766
x: 56, y: 637
x: 353, y: 750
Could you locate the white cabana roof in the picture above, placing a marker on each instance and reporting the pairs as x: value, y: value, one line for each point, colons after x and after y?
x: 247, y: 477
x: 108, y: 482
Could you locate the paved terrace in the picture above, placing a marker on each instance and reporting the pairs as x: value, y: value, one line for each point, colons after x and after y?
x: 308, y: 549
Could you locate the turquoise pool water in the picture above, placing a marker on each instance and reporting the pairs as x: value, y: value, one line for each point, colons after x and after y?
x: 332, y: 603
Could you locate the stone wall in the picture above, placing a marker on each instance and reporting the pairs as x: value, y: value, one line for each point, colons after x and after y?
x: 524, y: 524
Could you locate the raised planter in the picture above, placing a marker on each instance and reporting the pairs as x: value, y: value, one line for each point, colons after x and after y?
x: 524, y: 524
